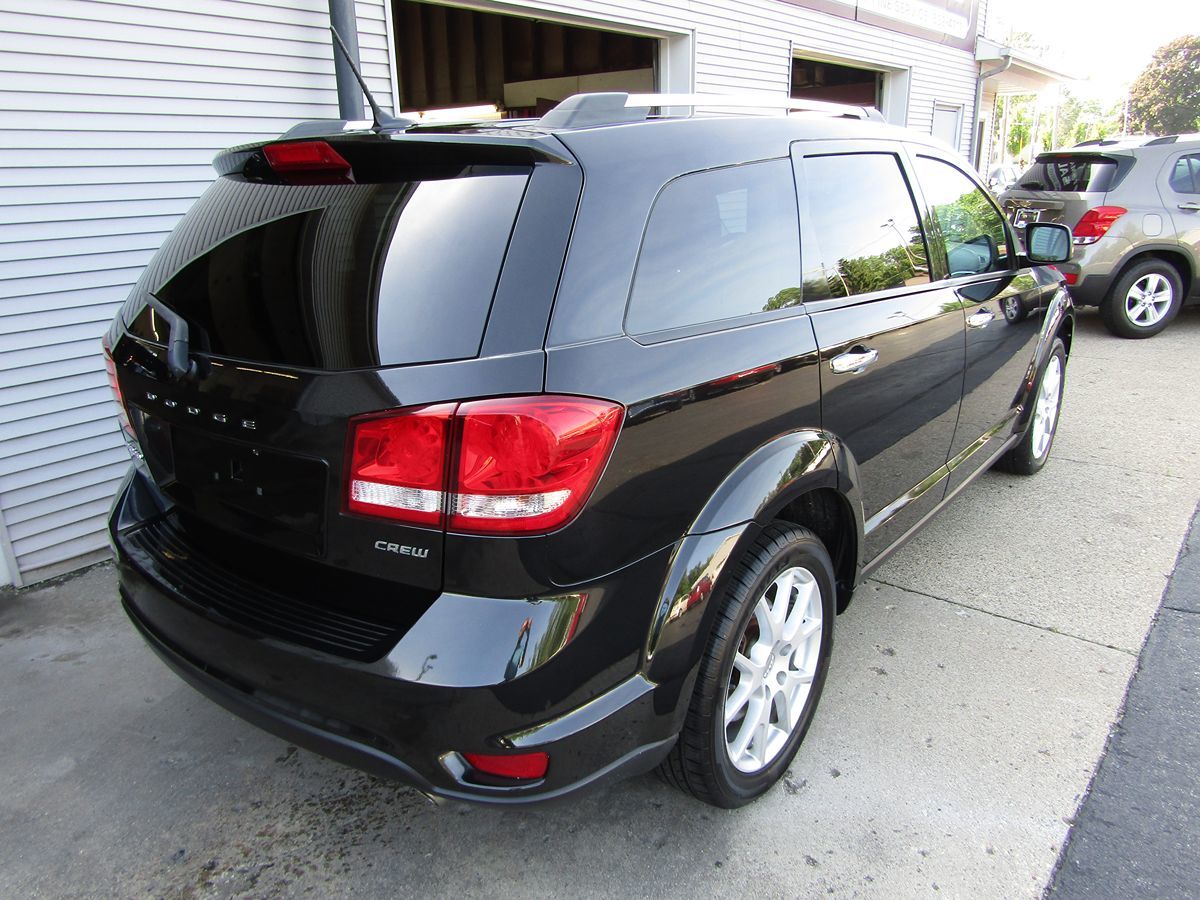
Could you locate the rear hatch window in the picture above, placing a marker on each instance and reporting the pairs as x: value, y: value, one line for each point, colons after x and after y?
x: 339, y: 276
x: 1074, y: 173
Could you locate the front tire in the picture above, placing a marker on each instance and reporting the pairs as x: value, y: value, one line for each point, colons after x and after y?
x: 762, y: 672
x: 1143, y: 301
x: 1031, y: 453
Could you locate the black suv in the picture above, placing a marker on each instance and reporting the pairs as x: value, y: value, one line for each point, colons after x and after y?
x: 504, y: 459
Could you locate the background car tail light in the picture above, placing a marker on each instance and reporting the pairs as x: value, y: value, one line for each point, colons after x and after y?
x: 521, y: 465
x: 529, y: 464
x: 521, y: 766
x: 398, y: 465
x: 1095, y: 223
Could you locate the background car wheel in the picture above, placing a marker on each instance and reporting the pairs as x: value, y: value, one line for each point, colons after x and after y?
x: 762, y: 672
x: 1032, y: 451
x: 1143, y: 301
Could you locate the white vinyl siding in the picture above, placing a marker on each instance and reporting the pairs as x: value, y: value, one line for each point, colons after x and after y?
x: 110, y: 114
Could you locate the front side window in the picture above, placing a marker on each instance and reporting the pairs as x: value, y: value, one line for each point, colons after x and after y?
x: 864, y: 235
x: 719, y: 245
x: 972, y: 228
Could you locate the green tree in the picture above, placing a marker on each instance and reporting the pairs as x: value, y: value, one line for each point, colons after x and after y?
x: 1165, y: 99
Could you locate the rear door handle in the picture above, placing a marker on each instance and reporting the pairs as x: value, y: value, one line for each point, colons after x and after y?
x: 1195, y: 207
x: 981, y: 319
x: 853, y: 361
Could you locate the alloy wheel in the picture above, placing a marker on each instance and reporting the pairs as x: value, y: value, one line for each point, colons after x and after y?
x: 773, y: 671
x: 1045, y: 412
x: 1148, y: 300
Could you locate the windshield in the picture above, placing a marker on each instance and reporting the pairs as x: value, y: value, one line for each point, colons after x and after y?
x: 339, y: 276
x: 1076, y: 173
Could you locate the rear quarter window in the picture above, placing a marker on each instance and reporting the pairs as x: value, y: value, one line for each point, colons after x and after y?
x: 720, y: 244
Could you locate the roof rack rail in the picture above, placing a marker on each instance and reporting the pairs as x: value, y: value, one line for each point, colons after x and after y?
x: 612, y: 108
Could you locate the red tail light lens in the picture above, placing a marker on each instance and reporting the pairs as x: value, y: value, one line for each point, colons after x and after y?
x: 1095, y: 223
x: 398, y: 465
x: 518, y: 766
x: 522, y: 465
x: 305, y: 156
x: 110, y: 368
x: 529, y: 464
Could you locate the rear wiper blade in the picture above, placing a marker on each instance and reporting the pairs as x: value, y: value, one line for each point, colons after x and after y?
x: 178, y: 362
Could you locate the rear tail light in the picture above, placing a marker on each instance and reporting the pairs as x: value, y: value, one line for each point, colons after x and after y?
x: 529, y: 464
x: 517, y: 766
x: 398, y: 465
x: 1095, y: 223
x: 110, y: 368
x: 519, y: 465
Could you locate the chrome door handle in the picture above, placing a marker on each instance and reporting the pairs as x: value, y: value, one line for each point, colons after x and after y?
x: 853, y: 361
x: 1195, y: 207
x: 981, y: 319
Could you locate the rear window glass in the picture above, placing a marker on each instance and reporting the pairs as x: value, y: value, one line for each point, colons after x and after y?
x: 1077, y: 174
x: 719, y: 244
x: 340, y: 276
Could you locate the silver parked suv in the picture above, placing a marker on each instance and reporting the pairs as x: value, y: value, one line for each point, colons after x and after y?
x: 1134, y: 207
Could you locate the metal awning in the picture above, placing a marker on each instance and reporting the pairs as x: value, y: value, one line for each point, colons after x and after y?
x: 1024, y: 74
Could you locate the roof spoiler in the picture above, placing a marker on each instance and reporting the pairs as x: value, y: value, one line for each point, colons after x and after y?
x: 612, y: 108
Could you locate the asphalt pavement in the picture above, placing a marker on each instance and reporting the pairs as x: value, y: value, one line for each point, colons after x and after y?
x: 975, y: 682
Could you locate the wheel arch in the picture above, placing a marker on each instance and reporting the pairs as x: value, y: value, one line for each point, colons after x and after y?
x: 806, y: 478
x: 1172, y: 255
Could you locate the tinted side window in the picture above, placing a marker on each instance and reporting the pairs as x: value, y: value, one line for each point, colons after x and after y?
x: 719, y: 244
x: 1185, y: 176
x: 865, y: 235
x: 971, y: 226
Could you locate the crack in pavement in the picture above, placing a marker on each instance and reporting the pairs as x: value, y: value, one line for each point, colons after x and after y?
x: 1119, y: 467
x: 988, y: 612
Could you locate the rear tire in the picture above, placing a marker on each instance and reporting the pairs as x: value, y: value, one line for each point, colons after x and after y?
x: 1032, y: 451
x: 1144, y: 300
x: 763, y: 669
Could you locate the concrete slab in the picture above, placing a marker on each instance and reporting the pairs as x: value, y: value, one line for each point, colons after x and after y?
x: 1133, y: 404
x: 949, y: 752
x: 1082, y: 549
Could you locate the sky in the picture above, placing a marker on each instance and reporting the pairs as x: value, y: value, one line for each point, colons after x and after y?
x: 1106, y: 43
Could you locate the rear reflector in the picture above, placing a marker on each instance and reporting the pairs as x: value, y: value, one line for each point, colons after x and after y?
x: 1071, y: 277
x: 305, y: 156
x: 518, y: 766
x: 1095, y: 223
x: 521, y: 465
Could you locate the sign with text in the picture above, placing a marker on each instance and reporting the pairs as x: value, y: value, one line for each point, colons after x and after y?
x: 950, y: 22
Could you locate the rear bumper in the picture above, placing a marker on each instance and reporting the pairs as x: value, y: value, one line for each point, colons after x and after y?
x: 587, y: 706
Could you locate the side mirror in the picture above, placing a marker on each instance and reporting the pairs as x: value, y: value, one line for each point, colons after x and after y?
x: 1047, y: 242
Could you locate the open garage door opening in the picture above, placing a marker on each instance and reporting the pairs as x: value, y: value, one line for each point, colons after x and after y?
x: 836, y: 83
x: 449, y: 57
